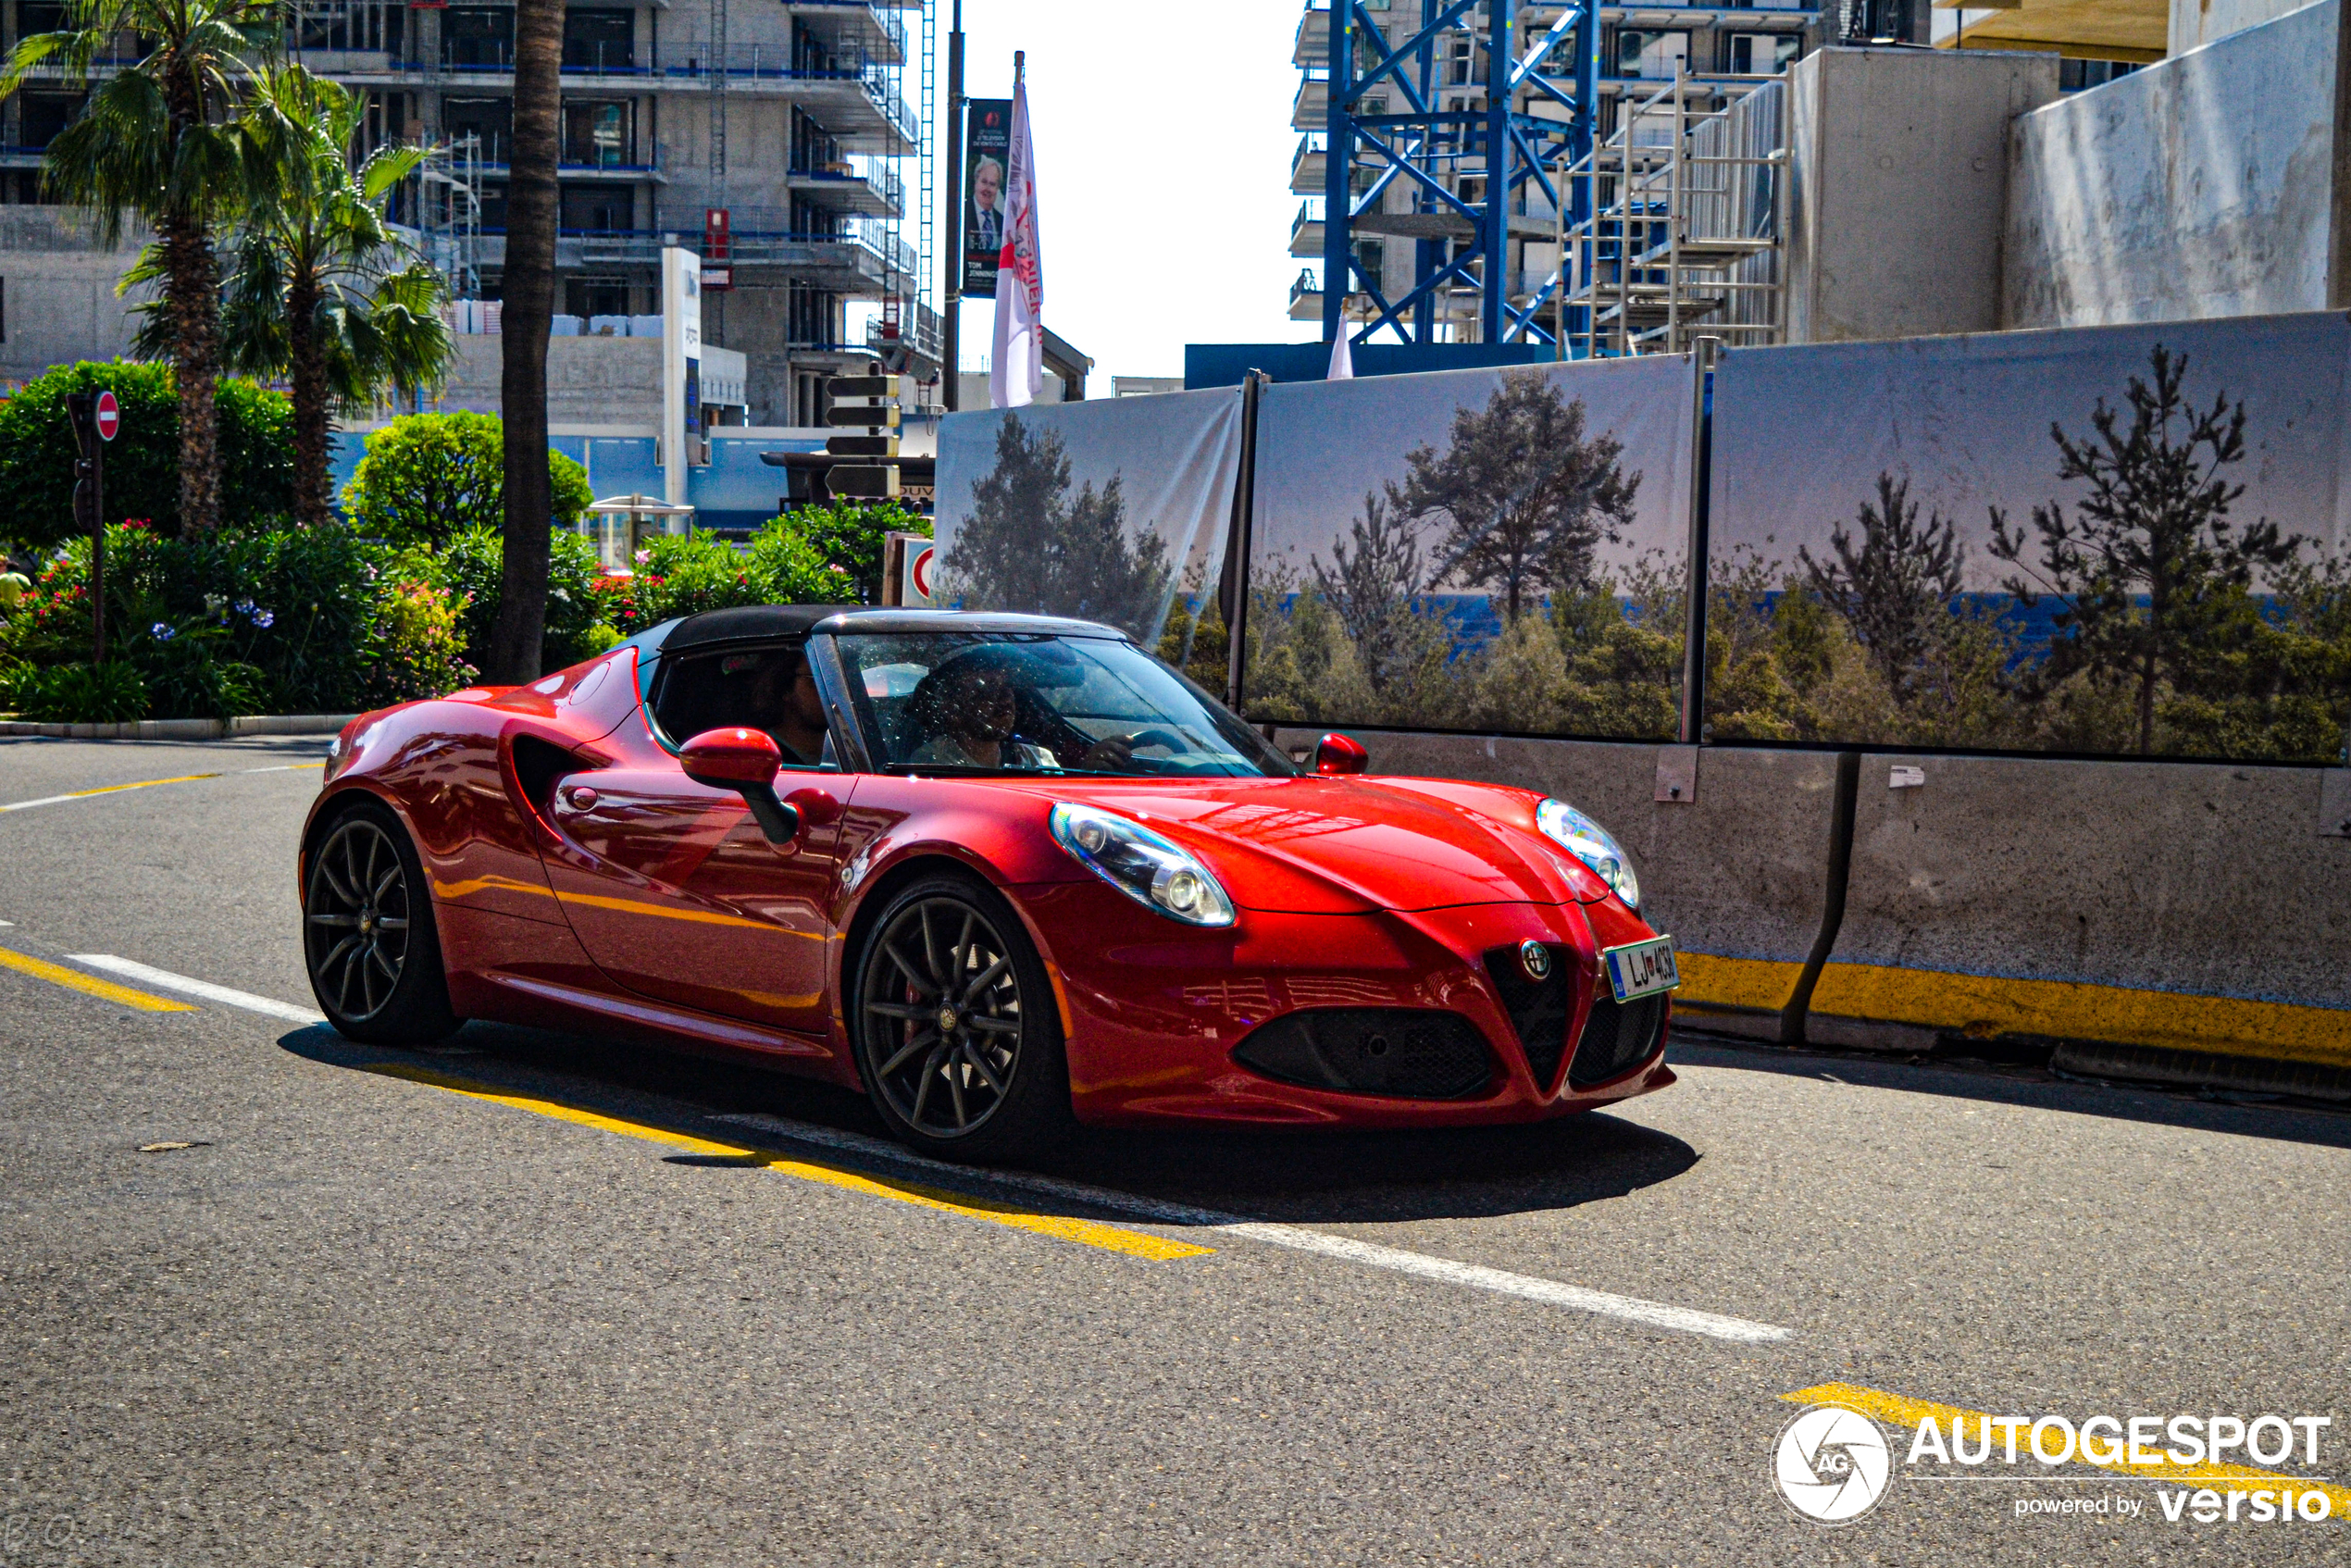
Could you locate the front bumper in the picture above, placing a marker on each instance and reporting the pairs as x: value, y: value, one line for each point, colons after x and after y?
x: 1153, y: 1010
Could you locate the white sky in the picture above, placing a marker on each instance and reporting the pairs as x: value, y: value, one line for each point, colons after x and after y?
x: 1162, y: 170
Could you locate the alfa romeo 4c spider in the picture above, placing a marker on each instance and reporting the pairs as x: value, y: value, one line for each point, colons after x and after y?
x: 997, y: 872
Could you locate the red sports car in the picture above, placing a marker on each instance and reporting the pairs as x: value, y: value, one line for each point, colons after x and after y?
x: 994, y: 870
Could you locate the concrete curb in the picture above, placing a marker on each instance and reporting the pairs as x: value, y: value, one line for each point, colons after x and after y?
x: 186, y: 729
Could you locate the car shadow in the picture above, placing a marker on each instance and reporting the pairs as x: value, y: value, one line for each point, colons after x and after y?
x: 1303, y: 1175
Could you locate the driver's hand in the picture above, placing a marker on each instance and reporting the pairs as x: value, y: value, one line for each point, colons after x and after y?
x: 1115, y: 751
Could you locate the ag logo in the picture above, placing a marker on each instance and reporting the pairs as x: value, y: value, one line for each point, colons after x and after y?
x: 1832, y: 1465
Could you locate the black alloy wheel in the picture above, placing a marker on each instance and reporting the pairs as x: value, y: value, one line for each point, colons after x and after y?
x: 368, y: 939
x: 959, y: 1045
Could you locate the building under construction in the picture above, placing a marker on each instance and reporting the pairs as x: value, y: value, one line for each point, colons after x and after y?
x: 1487, y: 171
x: 808, y: 122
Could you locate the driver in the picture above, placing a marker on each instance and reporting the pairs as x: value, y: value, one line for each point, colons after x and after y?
x: 786, y: 695
x: 968, y: 707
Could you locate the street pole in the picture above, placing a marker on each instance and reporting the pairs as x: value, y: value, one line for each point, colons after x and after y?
x: 98, y: 545
x: 90, y: 471
x: 951, y: 370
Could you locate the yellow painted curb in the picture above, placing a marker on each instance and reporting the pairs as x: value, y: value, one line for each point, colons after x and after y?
x: 1983, y: 1006
x: 1761, y: 983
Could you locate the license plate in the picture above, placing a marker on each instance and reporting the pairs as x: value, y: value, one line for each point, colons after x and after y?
x: 1641, y: 968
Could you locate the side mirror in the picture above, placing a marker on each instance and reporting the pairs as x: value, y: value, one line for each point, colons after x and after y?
x: 746, y: 762
x: 1340, y: 753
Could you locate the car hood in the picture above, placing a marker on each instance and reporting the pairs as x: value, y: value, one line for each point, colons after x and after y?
x: 1319, y: 845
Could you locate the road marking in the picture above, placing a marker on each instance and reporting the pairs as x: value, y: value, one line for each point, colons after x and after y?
x: 89, y: 985
x: 1088, y: 1233
x: 105, y: 790
x: 1551, y: 1293
x: 164, y: 979
x: 1898, y: 1411
x: 282, y: 767
x: 1655, y: 1314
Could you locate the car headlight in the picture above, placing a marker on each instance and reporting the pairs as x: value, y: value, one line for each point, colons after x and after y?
x: 1589, y: 843
x: 1141, y: 864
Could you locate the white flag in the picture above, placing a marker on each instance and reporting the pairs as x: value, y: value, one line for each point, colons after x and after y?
x: 1017, y: 370
x: 1342, y: 358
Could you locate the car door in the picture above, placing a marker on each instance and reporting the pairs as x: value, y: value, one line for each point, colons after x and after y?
x: 678, y: 895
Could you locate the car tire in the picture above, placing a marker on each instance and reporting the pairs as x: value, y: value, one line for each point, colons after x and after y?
x: 370, y: 942
x: 943, y: 971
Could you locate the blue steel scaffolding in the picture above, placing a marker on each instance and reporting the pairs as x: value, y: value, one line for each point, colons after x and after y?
x: 1482, y: 174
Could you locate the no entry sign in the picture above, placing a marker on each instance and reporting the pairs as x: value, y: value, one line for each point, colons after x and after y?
x: 110, y: 417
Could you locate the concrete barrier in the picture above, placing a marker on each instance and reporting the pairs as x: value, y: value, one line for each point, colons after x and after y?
x: 1737, y: 869
x: 184, y: 728
x: 2185, y: 923
x: 2134, y: 914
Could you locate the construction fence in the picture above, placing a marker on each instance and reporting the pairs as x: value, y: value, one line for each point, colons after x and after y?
x: 2026, y: 659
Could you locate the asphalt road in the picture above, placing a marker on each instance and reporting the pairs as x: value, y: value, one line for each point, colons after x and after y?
x: 368, y: 1319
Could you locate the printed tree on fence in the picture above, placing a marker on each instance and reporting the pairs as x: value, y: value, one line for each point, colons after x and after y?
x: 1525, y: 494
x: 1029, y: 546
x: 1371, y: 588
x: 2155, y: 524
x: 1895, y: 589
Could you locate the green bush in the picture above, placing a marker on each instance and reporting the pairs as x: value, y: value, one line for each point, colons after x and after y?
x: 259, y: 622
x: 37, y: 451
x: 468, y: 566
x: 850, y: 536
x: 686, y: 574
x: 415, y: 644
x: 82, y: 694
x: 190, y: 671
x: 428, y: 478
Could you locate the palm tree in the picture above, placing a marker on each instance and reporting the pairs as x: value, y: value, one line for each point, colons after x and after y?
x: 529, y: 315
x: 160, y: 138
x: 321, y: 289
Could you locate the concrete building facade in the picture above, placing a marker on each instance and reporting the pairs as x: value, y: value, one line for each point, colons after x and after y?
x: 790, y: 115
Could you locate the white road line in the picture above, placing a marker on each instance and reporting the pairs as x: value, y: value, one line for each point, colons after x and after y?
x: 1655, y: 1314
x: 45, y: 801
x: 1551, y: 1292
x: 163, y: 980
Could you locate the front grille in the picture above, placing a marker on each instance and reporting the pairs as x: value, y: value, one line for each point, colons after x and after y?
x: 1394, y: 1050
x: 1617, y: 1037
x: 1539, y: 1009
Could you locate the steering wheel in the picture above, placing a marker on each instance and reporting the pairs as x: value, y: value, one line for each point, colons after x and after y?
x: 1166, y: 740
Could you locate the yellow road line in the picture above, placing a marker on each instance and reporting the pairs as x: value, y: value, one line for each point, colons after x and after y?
x: 1088, y: 1233
x: 107, y: 790
x: 1898, y: 1411
x: 89, y: 985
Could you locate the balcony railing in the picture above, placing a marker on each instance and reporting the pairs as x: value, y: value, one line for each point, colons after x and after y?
x: 773, y: 225
x: 923, y: 330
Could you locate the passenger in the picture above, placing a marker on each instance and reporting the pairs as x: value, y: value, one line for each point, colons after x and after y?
x: 785, y: 693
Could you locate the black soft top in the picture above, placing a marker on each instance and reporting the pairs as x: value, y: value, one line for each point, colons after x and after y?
x: 765, y: 623
x: 747, y: 623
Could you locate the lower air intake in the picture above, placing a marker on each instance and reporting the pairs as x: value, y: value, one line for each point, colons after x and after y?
x: 1539, y: 1009
x: 1617, y: 1037
x: 1402, y: 1052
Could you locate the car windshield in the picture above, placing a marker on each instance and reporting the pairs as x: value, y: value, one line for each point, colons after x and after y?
x: 1024, y: 702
